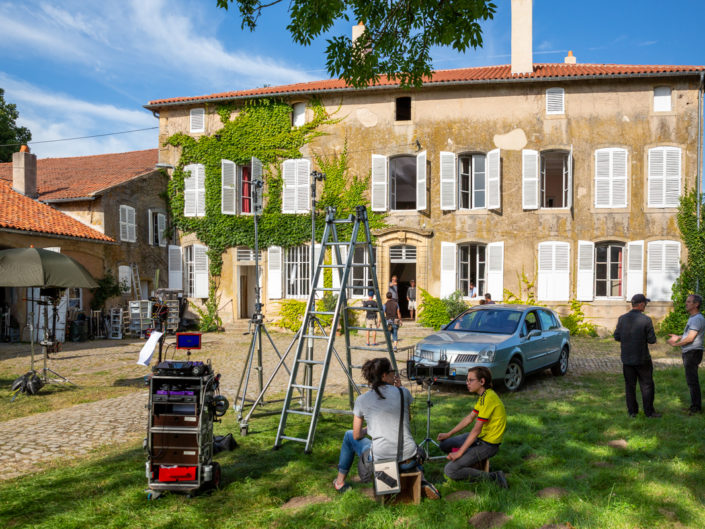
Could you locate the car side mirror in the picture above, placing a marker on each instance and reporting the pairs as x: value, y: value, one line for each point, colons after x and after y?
x: 534, y: 332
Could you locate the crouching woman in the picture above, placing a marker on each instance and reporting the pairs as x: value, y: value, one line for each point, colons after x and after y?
x: 465, y: 451
x: 380, y: 409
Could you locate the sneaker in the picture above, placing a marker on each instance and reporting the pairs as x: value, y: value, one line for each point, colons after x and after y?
x: 429, y: 491
x: 341, y: 488
x: 500, y: 478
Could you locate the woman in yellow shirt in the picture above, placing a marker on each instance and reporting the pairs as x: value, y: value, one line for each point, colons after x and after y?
x: 483, y: 441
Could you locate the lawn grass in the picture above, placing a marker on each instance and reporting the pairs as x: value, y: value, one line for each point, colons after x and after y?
x: 558, y: 430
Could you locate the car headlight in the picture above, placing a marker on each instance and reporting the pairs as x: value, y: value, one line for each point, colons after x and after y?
x: 486, y: 355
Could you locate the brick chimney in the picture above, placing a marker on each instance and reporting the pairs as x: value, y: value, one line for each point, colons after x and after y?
x: 522, y: 36
x: 24, y: 172
x: 570, y: 58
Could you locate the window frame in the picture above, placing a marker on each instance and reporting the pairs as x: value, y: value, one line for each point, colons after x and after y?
x: 567, y: 184
x: 611, y: 180
x: 128, y: 226
x: 472, y: 177
x: 659, y: 100
x: 297, y: 287
x: 670, y: 156
x: 608, y: 279
x: 555, y: 101
x: 468, y: 266
x: 298, y: 114
x: 196, y: 114
x: 397, y: 101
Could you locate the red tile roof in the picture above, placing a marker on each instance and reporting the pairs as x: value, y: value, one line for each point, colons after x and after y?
x: 482, y: 74
x: 18, y: 212
x: 83, y: 176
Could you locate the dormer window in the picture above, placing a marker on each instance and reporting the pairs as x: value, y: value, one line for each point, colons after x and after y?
x: 197, y: 120
x: 662, y: 99
x: 298, y: 116
x: 403, y: 109
x: 555, y: 101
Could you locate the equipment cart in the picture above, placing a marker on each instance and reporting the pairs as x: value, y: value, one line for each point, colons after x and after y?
x: 180, y: 430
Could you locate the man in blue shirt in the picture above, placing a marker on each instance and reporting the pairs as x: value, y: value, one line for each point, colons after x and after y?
x: 691, y: 344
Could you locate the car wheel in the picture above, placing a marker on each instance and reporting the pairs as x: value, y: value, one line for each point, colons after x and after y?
x: 560, y: 368
x: 514, y: 376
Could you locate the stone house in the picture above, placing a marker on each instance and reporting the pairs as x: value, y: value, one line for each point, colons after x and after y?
x: 115, y: 201
x: 567, y: 174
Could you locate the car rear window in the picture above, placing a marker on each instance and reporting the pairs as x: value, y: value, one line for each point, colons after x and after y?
x: 489, y: 321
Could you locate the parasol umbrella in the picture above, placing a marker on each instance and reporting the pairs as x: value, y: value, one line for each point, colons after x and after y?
x: 35, y: 267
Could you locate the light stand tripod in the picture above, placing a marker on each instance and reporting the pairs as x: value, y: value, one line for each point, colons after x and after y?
x: 50, y: 339
x: 428, y: 382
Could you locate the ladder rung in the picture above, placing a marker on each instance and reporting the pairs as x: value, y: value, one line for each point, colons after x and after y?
x: 316, y: 336
x: 311, y: 362
x: 368, y: 348
x: 349, y: 220
x: 360, y: 307
x: 366, y: 329
x: 327, y: 289
x: 333, y: 266
x: 298, y: 440
x: 299, y: 412
x: 302, y: 386
x: 339, y: 243
x: 322, y: 312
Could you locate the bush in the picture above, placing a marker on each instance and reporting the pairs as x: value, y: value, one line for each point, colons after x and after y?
x: 208, y: 318
x: 435, y: 312
x: 575, y: 321
x: 292, y: 313
x: 108, y: 287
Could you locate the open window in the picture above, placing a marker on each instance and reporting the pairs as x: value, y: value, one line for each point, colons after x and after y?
x: 556, y: 179
x: 157, y: 228
x: 196, y: 271
x: 473, y: 269
x: 403, y: 109
x: 399, y: 183
x: 470, y: 181
x: 238, y: 193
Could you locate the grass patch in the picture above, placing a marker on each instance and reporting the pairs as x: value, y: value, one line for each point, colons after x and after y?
x: 551, y: 442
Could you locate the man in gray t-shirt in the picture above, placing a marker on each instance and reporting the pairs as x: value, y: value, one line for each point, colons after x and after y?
x: 382, y: 418
x: 691, y: 344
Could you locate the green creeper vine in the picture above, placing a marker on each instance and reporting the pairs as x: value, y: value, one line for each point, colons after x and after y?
x: 692, y: 277
x: 261, y: 128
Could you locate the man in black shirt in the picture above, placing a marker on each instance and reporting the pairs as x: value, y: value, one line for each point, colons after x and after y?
x: 634, y: 332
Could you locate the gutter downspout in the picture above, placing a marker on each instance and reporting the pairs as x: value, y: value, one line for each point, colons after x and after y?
x: 698, y: 182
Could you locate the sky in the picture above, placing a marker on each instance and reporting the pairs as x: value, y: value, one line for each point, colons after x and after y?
x: 76, y: 68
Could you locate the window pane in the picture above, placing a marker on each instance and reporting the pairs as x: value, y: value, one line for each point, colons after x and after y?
x: 402, y: 175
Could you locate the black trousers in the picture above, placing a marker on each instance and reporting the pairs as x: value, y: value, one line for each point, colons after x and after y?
x: 644, y: 374
x: 691, y: 361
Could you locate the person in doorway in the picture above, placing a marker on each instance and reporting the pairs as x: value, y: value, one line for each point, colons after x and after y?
x: 380, y: 409
x: 371, y: 317
x: 472, y: 290
x: 691, y: 344
x: 392, y: 315
x: 394, y: 288
x: 468, y: 449
x: 411, y: 299
x: 488, y: 299
x: 634, y: 332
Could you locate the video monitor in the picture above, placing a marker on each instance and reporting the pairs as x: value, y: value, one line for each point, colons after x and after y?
x: 188, y: 340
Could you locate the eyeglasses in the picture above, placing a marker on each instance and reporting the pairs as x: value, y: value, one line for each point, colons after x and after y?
x: 471, y: 380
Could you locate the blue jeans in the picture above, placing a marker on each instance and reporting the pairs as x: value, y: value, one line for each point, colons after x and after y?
x: 350, y: 447
x: 395, y: 334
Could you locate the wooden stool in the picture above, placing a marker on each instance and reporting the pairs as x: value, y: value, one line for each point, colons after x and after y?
x: 410, y: 490
x: 483, y: 465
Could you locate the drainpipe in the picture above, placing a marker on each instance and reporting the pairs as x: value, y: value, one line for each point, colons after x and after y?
x: 698, y: 182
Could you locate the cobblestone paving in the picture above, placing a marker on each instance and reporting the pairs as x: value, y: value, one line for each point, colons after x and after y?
x: 26, y: 443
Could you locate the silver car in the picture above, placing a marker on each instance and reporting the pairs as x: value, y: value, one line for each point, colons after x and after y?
x: 510, y: 340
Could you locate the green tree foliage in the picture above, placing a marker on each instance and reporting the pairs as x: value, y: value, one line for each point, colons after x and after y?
x: 435, y: 312
x: 575, y: 321
x: 10, y: 134
x: 692, y: 278
x: 397, y: 39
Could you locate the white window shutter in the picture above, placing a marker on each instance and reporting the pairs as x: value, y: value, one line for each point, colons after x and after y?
x: 663, y: 268
x: 554, y: 271
x: 673, y: 177
x: 657, y: 180
x: 150, y: 227
x: 493, y: 180
x: 175, y: 267
x: 200, y: 271
x: 619, y: 178
x: 131, y: 224
x: 635, y: 269
x: 421, y: 192
x: 303, y: 186
x: 448, y: 268
x: 662, y: 99
x: 257, y: 192
x: 337, y: 272
x: 190, y: 186
x: 585, y: 290
x: 298, y: 117
x: 495, y: 270
x: 228, y: 187
x: 123, y: 224
x: 555, y: 101
x: 274, y: 272
x: 569, y: 183
x: 197, y: 120
x: 602, y: 178
x: 161, y: 229
x: 530, y: 179
x: 671, y: 266
x: 448, y: 180
x: 201, y: 190
x: 289, y: 187
x: 379, y: 183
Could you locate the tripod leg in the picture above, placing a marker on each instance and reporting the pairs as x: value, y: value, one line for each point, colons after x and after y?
x: 246, y: 375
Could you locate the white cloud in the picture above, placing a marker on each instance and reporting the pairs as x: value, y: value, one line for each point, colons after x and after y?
x: 51, y: 116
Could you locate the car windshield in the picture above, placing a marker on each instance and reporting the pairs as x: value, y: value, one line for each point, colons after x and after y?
x: 489, y: 321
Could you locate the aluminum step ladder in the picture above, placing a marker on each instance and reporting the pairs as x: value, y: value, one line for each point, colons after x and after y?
x: 303, y: 379
x: 135, y: 281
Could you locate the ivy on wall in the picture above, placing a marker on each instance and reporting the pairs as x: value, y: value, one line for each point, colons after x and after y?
x: 262, y: 128
x: 692, y: 277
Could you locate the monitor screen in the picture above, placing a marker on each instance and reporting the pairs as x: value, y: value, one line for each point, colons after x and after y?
x: 188, y: 340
